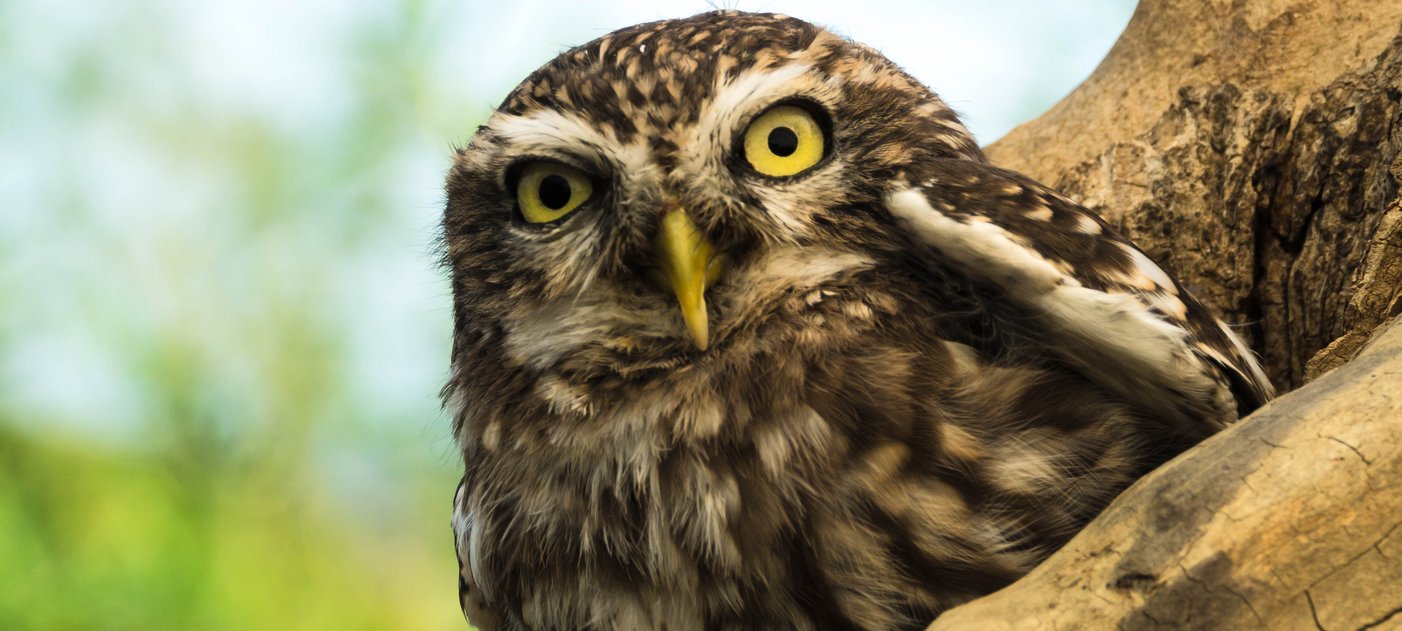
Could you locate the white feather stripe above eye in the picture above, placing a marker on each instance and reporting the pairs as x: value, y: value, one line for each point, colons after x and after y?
x: 1116, y: 339
x: 547, y: 132
x: 737, y: 97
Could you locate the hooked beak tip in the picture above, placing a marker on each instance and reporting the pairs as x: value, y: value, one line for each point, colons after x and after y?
x: 698, y: 329
x: 684, y: 256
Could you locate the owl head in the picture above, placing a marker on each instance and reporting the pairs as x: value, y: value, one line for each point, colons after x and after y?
x: 653, y: 195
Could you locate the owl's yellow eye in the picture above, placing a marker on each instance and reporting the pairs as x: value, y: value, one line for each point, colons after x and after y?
x: 785, y: 140
x: 546, y: 191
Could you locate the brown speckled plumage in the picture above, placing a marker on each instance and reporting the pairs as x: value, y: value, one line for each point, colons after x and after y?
x: 924, y: 373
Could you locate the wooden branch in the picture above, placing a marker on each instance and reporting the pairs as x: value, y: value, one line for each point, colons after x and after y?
x: 1255, y: 147
x: 1252, y: 147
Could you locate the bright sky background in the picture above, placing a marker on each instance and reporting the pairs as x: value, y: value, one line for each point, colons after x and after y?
x: 999, y: 62
x: 292, y: 67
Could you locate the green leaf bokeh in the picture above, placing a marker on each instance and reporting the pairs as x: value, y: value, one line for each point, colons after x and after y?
x: 223, y: 328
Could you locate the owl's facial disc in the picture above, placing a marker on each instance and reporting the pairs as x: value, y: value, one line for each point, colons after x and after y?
x: 686, y: 263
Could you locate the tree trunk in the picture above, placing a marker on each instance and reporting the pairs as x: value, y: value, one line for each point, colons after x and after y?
x: 1252, y: 147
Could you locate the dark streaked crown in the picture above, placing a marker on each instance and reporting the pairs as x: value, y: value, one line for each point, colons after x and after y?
x: 660, y: 74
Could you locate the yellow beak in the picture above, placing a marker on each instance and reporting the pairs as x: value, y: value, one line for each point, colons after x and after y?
x: 684, y: 258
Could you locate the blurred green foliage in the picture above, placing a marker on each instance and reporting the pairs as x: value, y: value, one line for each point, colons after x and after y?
x: 93, y: 539
x: 223, y: 329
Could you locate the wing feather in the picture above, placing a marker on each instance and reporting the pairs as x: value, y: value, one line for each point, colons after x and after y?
x: 1102, y: 303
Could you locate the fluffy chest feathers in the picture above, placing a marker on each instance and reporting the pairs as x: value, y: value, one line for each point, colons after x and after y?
x: 834, y: 466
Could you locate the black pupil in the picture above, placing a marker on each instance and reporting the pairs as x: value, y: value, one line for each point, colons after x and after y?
x: 783, y: 142
x: 554, y: 192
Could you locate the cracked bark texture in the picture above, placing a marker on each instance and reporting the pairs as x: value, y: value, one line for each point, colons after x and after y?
x: 1254, y: 148
x: 1251, y: 148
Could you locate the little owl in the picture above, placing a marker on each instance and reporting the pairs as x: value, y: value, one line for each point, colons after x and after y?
x: 748, y: 333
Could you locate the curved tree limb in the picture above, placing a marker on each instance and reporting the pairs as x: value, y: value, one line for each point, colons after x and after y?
x: 1254, y: 147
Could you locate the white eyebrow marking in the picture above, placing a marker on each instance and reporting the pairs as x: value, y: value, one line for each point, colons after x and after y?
x: 724, y: 110
x: 548, y: 131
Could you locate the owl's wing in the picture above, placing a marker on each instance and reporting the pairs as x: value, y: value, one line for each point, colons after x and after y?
x: 1095, y: 299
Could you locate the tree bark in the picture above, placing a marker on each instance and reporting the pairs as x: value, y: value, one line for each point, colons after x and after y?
x: 1252, y: 148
